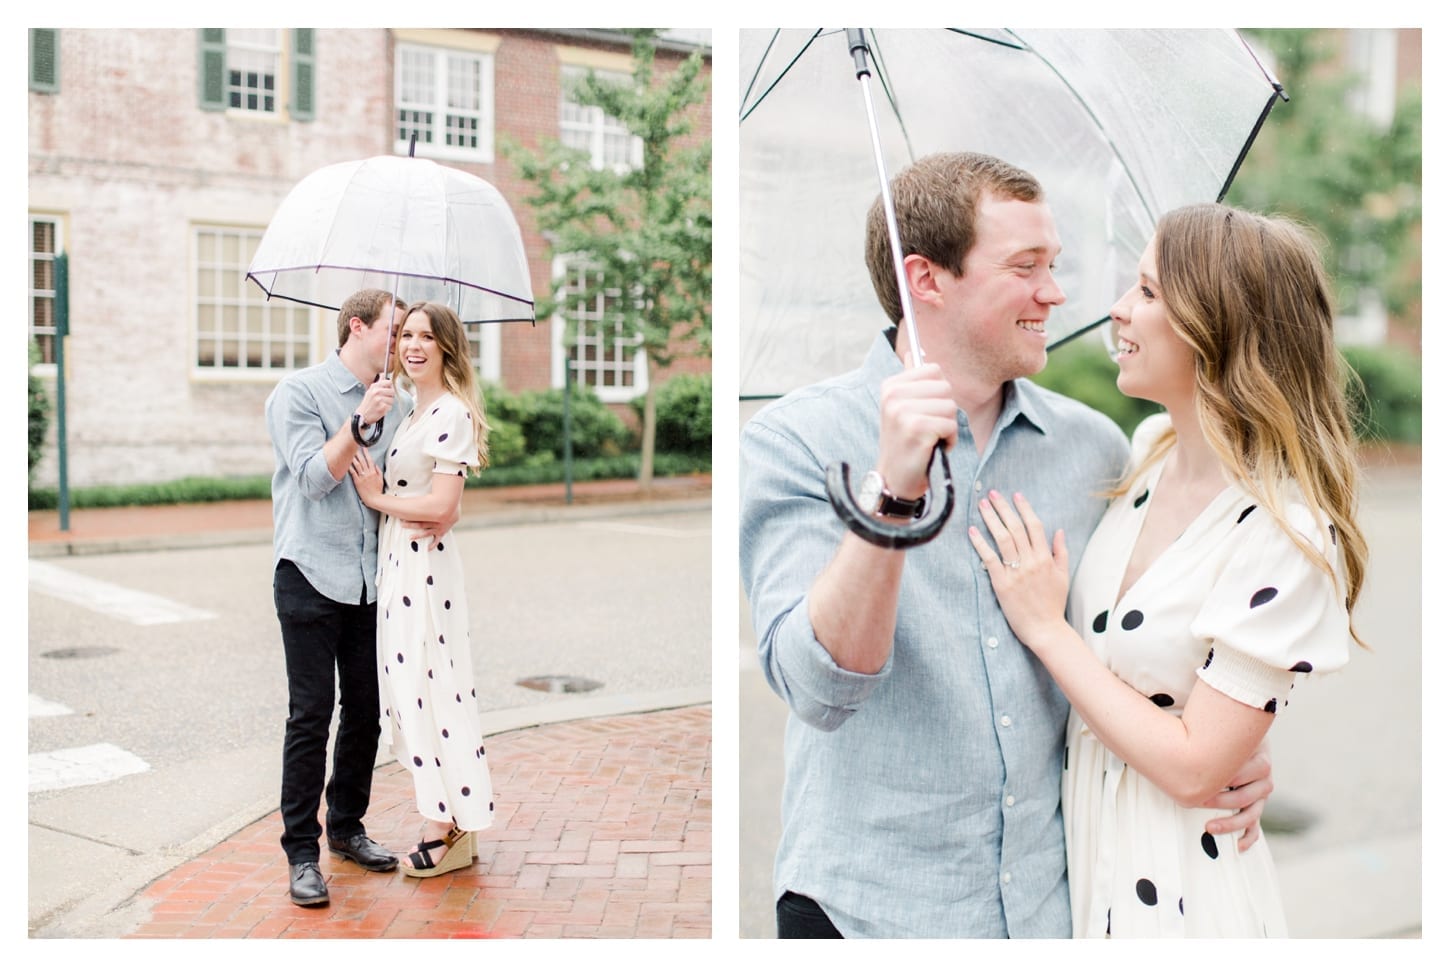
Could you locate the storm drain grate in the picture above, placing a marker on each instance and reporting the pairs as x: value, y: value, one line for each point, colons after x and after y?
x: 559, y: 683
x: 84, y: 651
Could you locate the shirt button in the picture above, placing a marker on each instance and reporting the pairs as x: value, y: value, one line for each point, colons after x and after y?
x: 1011, y: 800
x: 1006, y: 721
x: 1006, y: 877
x: 977, y: 486
x: 991, y: 642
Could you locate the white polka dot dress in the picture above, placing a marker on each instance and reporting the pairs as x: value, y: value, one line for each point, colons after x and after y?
x: 1235, y: 603
x: 425, y: 668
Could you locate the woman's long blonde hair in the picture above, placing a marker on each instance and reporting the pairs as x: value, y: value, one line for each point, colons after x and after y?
x: 1250, y: 296
x: 458, y: 376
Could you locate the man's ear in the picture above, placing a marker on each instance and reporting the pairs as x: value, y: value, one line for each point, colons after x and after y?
x: 921, y: 279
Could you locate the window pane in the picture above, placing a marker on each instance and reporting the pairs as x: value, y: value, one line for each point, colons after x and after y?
x: 258, y: 333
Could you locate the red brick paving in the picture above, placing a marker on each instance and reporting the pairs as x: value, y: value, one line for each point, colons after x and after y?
x: 602, y: 829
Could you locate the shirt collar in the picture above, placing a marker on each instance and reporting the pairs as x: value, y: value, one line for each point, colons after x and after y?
x: 1023, y: 398
x: 342, y: 377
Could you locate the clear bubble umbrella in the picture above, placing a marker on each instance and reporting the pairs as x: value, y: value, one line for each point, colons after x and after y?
x: 1120, y: 126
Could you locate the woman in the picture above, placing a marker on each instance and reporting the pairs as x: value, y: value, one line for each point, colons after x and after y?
x: 425, y: 670
x: 1227, y: 565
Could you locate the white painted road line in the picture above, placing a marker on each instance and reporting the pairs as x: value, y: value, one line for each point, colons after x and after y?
x: 41, y: 708
x: 137, y: 607
x: 84, y: 766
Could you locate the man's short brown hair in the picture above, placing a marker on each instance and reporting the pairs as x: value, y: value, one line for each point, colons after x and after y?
x: 936, y: 214
x: 367, y: 304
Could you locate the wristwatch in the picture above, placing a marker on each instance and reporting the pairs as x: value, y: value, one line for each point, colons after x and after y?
x: 874, y: 498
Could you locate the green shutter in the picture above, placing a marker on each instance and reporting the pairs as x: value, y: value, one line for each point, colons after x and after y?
x: 213, y: 87
x: 303, y: 75
x: 44, y: 61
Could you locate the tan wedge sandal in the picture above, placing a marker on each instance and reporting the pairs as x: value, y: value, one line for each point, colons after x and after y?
x: 460, y: 851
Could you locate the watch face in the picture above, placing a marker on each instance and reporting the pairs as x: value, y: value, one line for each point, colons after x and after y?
x: 870, y: 494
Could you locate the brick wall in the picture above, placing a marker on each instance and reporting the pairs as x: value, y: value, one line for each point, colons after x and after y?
x: 130, y: 164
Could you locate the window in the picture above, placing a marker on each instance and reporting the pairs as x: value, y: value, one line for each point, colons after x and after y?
x: 44, y: 61
x: 483, y: 346
x: 254, y: 59
x: 608, y: 141
x: 44, y: 247
x: 602, y: 356
x: 243, y: 71
x: 1372, y: 57
x: 237, y: 326
x: 445, y: 98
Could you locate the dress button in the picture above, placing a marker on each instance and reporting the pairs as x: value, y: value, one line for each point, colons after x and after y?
x: 1006, y: 721
x: 991, y: 642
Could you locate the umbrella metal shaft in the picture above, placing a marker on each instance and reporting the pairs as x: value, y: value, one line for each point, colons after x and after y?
x: 908, y: 316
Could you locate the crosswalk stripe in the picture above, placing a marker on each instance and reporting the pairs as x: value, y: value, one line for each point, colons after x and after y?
x: 137, y: 607
x: 653, y: 530
x: 83, y: 766
x: 41, y: 708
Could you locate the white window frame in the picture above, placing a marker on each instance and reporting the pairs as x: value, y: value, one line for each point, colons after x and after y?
x: 588, y: 128
x: 444, y: 60
x: 221, y: 288
x: 1373, y: 55
x: 257, y: 43
x: 562, y: 360
x: 484, y: 345
x: 41, y: 293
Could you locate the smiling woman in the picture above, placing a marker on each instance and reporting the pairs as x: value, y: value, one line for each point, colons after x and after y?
x: 1226, y: 569
x: 425, y: 667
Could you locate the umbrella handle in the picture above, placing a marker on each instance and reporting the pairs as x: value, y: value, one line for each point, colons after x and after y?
x: 891, y: 536
x: 373, y: 437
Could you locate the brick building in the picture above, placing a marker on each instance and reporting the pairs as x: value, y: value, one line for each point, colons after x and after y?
x: 157, y: 158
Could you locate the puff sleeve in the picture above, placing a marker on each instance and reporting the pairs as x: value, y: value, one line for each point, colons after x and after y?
x: 1272, y: 613
x: 449, y: 437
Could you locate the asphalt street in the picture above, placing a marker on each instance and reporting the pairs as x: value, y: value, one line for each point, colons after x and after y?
x: 173, y: 658
x: 1344, y: 823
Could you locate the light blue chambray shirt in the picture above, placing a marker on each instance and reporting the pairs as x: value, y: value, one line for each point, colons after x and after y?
x: 921, y: 801
x: 319, y: 523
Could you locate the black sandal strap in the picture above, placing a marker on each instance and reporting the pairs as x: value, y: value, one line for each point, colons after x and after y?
x: 420, y: 858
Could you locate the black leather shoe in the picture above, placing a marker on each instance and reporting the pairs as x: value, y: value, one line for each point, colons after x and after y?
x: 308, y: 887
x: 364, y: 852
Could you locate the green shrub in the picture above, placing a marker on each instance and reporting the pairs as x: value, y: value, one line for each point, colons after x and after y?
x: 1083, y: 370
x: 1387, y: 398
x: 683, y: 414
x: 39, y: 410
x: 595, y: 430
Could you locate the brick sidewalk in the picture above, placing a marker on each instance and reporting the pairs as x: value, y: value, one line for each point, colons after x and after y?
x: 602, y: 829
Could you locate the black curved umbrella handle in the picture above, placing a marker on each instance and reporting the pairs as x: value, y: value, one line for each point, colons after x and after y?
x: 892, y: 536
x: 372, y: 437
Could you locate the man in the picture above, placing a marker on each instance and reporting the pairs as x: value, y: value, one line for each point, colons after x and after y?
x: 325, y: 559
x: 923, y: 754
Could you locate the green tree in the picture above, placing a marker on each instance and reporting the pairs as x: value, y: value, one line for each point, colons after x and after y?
x: 1355, y: 181
x: 644, y: 233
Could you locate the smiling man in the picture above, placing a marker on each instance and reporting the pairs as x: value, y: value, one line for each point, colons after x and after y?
x: 923, y: 753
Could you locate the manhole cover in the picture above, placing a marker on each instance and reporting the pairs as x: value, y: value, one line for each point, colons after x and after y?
x: 85, y: 651
x: 559, y: 683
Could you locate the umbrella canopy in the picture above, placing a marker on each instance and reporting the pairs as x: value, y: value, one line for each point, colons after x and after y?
x: 1120, y: 126
x: 408, y: 225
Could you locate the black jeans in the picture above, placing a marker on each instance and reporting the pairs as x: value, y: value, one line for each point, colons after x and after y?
x: 318, y: 635
x: 801, y: 918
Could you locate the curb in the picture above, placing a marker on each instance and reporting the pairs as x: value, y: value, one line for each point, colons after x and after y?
x: 476, y: 521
